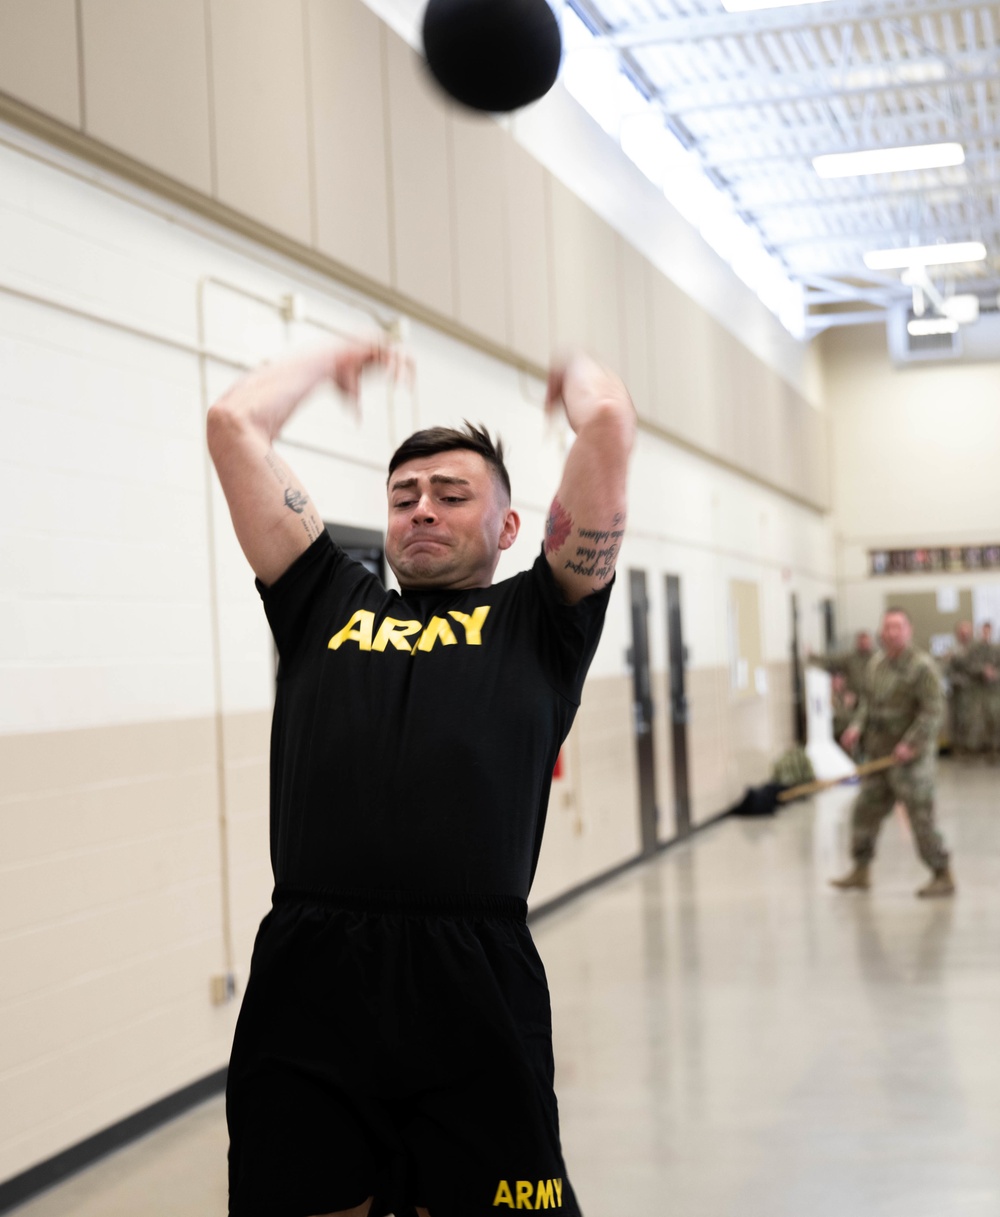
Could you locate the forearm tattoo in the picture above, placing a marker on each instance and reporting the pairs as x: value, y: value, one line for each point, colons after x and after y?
x: 295, y: 499
x: 597, y: 559
x: 557, y: 527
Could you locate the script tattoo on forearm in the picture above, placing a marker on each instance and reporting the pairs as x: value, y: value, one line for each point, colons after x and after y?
x: 597, y: 560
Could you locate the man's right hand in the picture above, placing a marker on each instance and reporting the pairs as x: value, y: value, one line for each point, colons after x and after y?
x: 850, y: 738
x: 352, y: 359
x: 274, y: 519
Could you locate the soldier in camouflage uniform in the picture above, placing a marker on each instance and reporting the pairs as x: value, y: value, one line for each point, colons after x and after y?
x: 983, y: 665
x: 960, y: 681
x: 852, y: 665
x: 842, y: 703
x: 991, y: 673
x: 847, y: 680
x: 900, y: 713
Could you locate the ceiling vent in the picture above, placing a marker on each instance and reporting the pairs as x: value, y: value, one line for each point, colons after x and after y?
x: 978, y: 342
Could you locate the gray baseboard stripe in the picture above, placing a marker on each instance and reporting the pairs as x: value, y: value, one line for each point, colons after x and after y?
x: 78, y: 1157
x: 54, y: 1170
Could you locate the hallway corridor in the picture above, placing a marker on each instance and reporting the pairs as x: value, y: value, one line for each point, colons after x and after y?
x: 734, y: 1038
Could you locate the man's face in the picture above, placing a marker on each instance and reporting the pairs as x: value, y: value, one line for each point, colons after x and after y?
x: 449, y: 521
x: 896, y: 633
x: 963, y: 632
x: 863, y: 642
x: 987, y: 631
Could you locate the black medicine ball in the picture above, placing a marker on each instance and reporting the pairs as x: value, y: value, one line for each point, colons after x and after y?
x: 492, y: 55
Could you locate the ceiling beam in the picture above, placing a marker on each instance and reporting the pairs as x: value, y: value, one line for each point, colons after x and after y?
x: 883, y: 236
x: 847, y: 202
x: 898, y: 128
x: 793, y: 19
x: 811, y: 86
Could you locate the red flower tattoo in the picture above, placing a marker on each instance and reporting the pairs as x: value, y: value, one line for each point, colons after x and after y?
x: 557, y: 527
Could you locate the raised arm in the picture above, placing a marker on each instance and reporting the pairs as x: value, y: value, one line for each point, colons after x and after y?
x: 587, y: 518
x: 273, y: 516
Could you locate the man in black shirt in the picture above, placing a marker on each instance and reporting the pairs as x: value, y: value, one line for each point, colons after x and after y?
x: 395, y: 1039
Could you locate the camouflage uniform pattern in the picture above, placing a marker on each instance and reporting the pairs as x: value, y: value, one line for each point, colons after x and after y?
x: 843, y: 711
x: 853, y: 665
x: 902, y: 702
x: 960, y: 681
x: 983, y: 697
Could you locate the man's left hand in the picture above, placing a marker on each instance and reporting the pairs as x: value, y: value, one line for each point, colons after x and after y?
x: 904, y: 754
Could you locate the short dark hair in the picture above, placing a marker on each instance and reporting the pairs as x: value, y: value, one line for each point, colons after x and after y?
x: 446, y: 439
x: 900, y: 612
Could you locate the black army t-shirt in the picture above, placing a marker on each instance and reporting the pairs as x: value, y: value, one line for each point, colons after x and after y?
x: 415, y: 735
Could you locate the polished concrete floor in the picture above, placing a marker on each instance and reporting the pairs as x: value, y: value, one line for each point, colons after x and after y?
x: 736, y: 1039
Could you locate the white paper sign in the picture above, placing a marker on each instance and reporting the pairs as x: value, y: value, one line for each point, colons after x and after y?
x: 947, y: 600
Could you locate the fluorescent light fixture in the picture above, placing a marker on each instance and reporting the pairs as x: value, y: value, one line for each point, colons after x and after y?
x: 925, y: 255
x: 889, y: 160
x: 964, y: 309
x: 923, y: 327
x: 746, y: 6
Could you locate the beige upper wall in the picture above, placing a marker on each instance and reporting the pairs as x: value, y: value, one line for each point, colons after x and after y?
x: 914, y: 459
x: 40, y: 56
x: 156, y: 94
x: 315, y: 126
x: 914, y: 450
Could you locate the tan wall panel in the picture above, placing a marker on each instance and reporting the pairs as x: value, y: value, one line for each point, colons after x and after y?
x: 528, y: 288
x: 710, y: 782
x: 815, y: 459
x: 586, y: 276
x: 609, y: 793
x: 91, y: 817
x: 246, y: 743
x: 569, y: 229
x: 59, y: 953
x: 39, y: 56
x: 681, y: 361
x: 772, y: 416
x: 64, y: 760
x: 593, y: 816
x: 725, y: 390
x: 114, y: 1072
x: 111, y: 927
x: 73, y: 883
x: 246, y: 736
x: 749, y: 738
x: 791, y: 450
x: 146, y: 82
x: 422, y: 213
x: 259, y: 102
x: 480, y: 226
x: 604, y: 256
x: 695, y: 409
x: 88, y: 1007
x: 636, y: 355
x: 779, y: 702
x: 741, y: 368
x: 347, y: 104
x: 663, y: 758
x: 759, y: 412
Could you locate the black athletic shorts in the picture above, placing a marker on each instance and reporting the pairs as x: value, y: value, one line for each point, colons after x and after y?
x: 395, y: 1047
